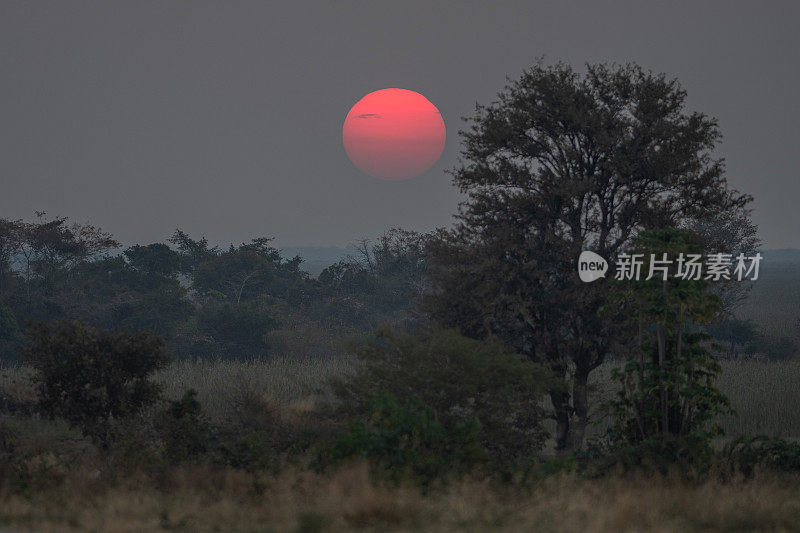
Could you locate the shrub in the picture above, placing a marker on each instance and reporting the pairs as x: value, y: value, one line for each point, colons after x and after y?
x: 401, y: 438
x: 92, y: 377
x: 460, y: 379
x: 743, y: 455
x: 244, y: 448
x: 183, y: 429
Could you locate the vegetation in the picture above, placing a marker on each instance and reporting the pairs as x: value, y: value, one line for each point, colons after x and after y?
x: 405, y: 439
x: 477, y: 363
x: 667, y: 400
x: 460, y: 380
x: 92, y: 378
x: 561, y: 163
x: 50, y: 461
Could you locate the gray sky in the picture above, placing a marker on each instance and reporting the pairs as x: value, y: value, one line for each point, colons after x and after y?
x: 224, y: 118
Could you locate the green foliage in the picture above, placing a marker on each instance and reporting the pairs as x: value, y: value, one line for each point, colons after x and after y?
x: 744, y: 455
x: 667, y: 401
x: 460, y: 379
x: 404, y: 438
x: 179, y: 432
x: 536, y: 469
x: 92, y: 377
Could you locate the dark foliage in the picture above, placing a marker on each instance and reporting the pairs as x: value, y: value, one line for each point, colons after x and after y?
x: 667, y: 401
x: 405, y: 438
x: 183, y: 429
x: 459, y: 379
x: 92, y: 377
x: 563, y: 162
x: 237, y: 330
x: 744, y: 455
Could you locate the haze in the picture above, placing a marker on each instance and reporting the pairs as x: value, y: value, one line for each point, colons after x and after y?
x: 224, y: 119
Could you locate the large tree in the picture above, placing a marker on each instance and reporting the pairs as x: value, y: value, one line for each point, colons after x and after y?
x: 564, y: 162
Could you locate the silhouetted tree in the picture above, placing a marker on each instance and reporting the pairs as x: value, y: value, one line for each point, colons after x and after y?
x: 561, y: 163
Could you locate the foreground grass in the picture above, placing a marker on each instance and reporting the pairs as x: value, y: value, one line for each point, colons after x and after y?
x: 198, y: 499
x: 79, y: 491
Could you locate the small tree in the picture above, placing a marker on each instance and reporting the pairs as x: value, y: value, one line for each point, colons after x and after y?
x: 92, y: 377
x: 667, y: 399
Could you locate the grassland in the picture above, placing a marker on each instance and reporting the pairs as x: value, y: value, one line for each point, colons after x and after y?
x: 196, y: 499
x: 765, y: 394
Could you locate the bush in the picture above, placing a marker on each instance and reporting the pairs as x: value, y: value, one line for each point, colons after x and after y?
x: 92, y: 377
x: 460, y: 379
x: 183, y: 429
x: 744, y: 455
x: 246, y: 448
x: 404, y: 438
x: 178, y: 433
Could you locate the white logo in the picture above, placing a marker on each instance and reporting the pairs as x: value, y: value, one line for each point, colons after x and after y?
x: 591, y: 266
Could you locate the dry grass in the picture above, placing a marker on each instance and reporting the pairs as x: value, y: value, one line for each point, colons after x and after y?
x: 222, y: 384
x: 199, y: 499
x: 764, y: 393
x: 204, y: 499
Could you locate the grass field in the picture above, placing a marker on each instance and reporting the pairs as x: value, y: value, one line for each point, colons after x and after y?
x: 765, y: 394
x: 91, y: 497
x: 201, y: 500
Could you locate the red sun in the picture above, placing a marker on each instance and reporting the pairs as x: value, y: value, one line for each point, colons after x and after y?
x: 394, y: 134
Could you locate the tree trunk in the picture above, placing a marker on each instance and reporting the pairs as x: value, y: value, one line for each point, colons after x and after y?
x: 560, y: 401
x: 580, y: 404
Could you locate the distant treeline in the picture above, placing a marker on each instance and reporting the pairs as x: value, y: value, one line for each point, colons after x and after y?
x: 243, y: 301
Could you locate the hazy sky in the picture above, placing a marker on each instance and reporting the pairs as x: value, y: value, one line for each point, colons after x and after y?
x: 224, y: 118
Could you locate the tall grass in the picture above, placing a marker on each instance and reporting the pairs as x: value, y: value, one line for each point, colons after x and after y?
x: 199, y: 499
x: 221, y: 383
x: 765, y: 394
